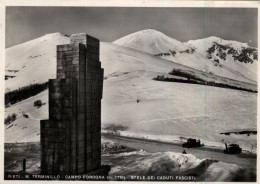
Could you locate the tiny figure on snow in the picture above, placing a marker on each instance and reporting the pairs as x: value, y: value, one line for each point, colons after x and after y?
x: 184, y: 152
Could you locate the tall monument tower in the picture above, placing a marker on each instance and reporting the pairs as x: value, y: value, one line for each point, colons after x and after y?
x: 71, y: 138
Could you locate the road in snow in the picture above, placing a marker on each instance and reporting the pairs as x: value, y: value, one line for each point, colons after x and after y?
x: 152, y: 146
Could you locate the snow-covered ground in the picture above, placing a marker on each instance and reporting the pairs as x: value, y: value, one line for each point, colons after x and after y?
x: 108, y: 145
x: 27, y: 129
x: 165, y: 166
x: 163, y: 112
x: 141, y: 165
x: 168, y: 111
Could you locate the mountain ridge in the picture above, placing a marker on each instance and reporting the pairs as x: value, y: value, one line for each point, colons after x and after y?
x: 194, y: 53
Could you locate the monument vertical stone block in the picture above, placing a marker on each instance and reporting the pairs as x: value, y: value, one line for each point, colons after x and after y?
x: 71, y: 138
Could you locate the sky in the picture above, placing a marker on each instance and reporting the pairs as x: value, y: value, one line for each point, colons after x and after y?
x: 111, y: 23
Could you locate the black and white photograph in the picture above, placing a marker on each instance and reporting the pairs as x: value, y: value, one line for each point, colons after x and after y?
x: 123, y: 93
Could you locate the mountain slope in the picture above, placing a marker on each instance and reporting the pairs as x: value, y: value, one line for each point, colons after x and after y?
x: 24, y: 60
x: 194, y: 54
x: 235, y: 55
x: 151, y: 41
x: 166, y: 110
x: 26, y: 128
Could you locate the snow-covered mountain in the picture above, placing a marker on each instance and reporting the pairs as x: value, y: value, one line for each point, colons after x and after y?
x: 166, y: 110
x: 235, y: 55
x: 195, y: 53
x: 151, y: 41
x: 33, y: 61
x: 23, y: 60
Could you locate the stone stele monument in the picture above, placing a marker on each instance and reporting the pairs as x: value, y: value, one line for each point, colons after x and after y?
x: 71, y: 138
